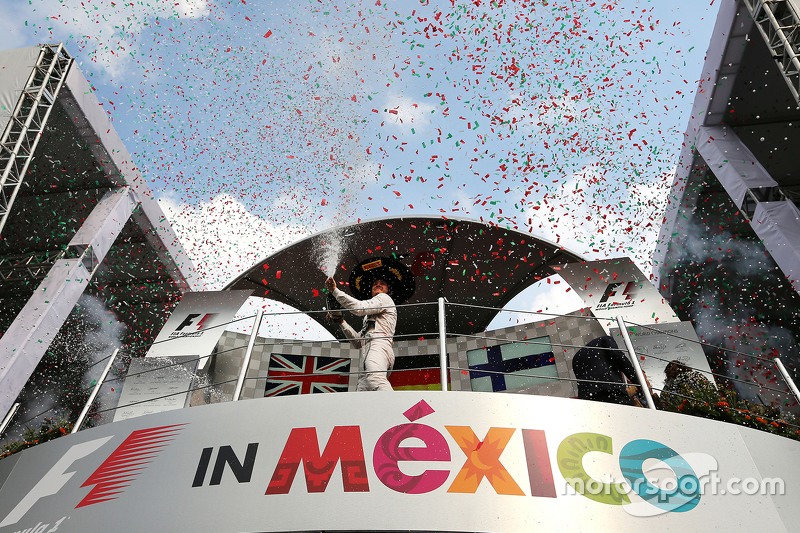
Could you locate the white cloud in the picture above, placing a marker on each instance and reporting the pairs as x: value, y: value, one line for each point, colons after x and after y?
x: 551, y: 295
x: 465, y: 202
x: 407, y: 113
x: 109, y: 33
x: 223, y: 238
x: 191, y: 8
x: 587, y: 216
x: 280, y: 322
x: 567, y: 216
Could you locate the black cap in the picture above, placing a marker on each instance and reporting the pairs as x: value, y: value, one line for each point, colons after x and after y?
x: 393, y: 272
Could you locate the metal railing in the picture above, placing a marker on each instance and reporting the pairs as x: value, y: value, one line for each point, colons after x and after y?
x: 445, y: 368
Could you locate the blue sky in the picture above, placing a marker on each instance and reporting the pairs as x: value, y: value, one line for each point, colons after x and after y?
x: 257, y: 123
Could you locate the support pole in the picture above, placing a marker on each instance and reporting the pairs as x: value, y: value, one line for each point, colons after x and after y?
x: 442, y: 345
x: 247, y: 355
x: 623, y: 329
x: 92, y: 396
x: 9, y: 416
x: 783, y: 371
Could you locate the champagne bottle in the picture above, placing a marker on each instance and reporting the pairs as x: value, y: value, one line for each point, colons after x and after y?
x: 334, y: 308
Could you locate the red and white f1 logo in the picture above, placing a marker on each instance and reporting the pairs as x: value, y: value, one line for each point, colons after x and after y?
x: 53, y: 480
x: 109, y: 480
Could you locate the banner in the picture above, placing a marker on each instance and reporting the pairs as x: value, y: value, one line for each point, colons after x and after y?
x: 658, y: 344
x: 405, y: 461
x: 197, y: 323
x: 616, y: 287
x: 154, y: 385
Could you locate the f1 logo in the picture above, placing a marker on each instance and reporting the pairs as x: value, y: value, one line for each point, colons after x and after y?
x: 191, y: 321
x: 53, y: 480
x: 615, y: 290
x: 110, y: 479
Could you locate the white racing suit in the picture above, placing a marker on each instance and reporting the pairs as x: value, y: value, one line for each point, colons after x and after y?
x: 375, y: 339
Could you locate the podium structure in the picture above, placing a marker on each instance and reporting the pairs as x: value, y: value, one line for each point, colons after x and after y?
x: 485, y: 430
x: 728, y: 256
x: 77, y: 220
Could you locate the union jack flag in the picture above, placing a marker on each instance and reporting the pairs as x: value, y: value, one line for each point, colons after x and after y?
x: 296, y: 374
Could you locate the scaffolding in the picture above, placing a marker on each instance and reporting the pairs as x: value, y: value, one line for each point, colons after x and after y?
x: 779, y: 24
x: 77, y: 220
x: 28, y: 120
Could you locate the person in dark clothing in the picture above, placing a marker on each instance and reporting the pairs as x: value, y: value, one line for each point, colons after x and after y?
x: 599, y: 368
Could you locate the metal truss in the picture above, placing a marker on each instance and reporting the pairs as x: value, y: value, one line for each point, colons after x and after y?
x: 792, y: 194
x: 25, y: 128
x: 779, y: 24
x: 763, y: 194
x: 31, y: 266
x: 768, y: 194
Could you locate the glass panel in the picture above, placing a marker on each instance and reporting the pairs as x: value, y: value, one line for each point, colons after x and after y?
x: 530, y: 347
x: 477, y: 357
x: 483, y: 384
x: 517, y: 381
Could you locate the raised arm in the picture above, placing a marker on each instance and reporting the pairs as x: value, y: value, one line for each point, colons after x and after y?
x: 374, y: 306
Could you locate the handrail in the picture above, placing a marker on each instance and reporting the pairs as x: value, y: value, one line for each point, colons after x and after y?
x: 456, y: 368
x: 202, y: 387
x: 443, y: 335
x: 610, y: 320
x: 444, y: 367
x: 248, y: 353
x: 702, y: 343
x: 721, y: 376
x: 623, y: 329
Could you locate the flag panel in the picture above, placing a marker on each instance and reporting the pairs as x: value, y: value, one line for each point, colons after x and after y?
x: 512, y: 365
x: 419, y: 372
x: 289, y: 375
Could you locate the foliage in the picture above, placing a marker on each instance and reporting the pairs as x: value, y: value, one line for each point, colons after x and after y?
x: 51, y: 428
x: 726, y: 406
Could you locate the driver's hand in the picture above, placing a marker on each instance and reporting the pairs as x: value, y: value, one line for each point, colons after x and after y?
x: 330, y: 284
x: 331, y: 320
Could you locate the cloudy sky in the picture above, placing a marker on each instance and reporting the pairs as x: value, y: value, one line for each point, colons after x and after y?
x: 258, y: 123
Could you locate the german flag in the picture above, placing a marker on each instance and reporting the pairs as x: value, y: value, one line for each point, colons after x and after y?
x: 418, y: 372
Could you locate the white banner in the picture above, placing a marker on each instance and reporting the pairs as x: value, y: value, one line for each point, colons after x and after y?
x: 410, y: 461
x: 616, y: 287
x: 658, y: 344
x: 154, y: 385
x: 197, y: 323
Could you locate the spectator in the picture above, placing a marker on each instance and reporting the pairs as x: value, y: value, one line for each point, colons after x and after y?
x: 600, y: 367
x: 681, y: 382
